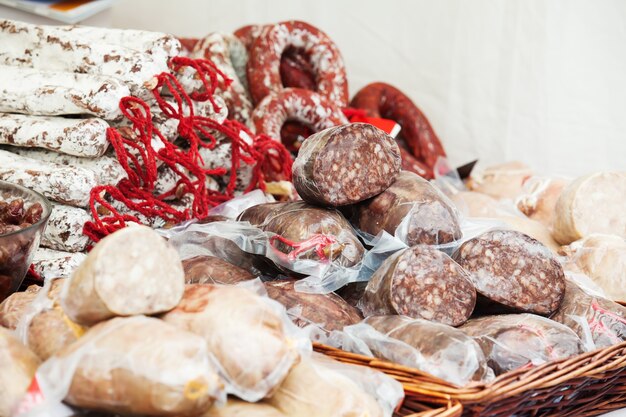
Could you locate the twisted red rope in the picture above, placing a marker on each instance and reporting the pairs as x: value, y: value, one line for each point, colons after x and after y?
x: 318, y: 242
x: 140, y: 158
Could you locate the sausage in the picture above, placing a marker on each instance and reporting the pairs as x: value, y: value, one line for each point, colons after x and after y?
x: 138, y: 366
x: 326, y: 311
x: 238, y: 408
x: 515, y: 340
x: 345, y: 165
x: 64, y: 230
x: 49, y: 263
x: 503, y: 181
x: 432, y: 219
x: 291, y: 104
x: 412, y: 164
x: 17, y: 369
x: 79, y: 137
x: 188, y: 45
x: 442, y: 351
x: 299, y: 222
x: 513, y: 271
x: 292, y: 134
x: 420, y: 282
x: 132, y: 271
x: 212, y: 270
x: 384, y: 100
x: 598, y: 321
x: 539, y: 201
x: 249, y: 343
x: 352, y: 293
x: 248, y: 34
x: 268, y: 48
x: 53, y: 93
x: 63, y: 184
x: 591, y: 204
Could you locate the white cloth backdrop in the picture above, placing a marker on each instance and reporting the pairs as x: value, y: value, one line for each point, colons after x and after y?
x: 540, y: 81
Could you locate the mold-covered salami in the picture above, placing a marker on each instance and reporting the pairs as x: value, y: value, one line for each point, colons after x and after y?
x: 514, y: 271
x: 80, y: 137
x: 50, y: 263
x: 63, y: 184
x: 212, y: 270
x: 327, y: 311
x: 294, y: 104
x: 64, y: 230
x: 420, y: 282
x: 514, y: 340
x: 412, y: 209
x: 346, y: 165
x: 53, y: 93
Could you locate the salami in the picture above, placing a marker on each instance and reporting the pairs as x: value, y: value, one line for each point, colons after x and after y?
x: 384, y: 100
x: 49, y: 263
x: 63, y: 184
x: 298, y: 222
x: 513, y: 271
x: 326, y: 311
x: 591, y: 204
x: 599, y: 322
x: 292, y: 104
x: 346, y: 165
x: 64, y: 230
x: 268, y: 48
x: 412, y: 164
x: 53, y: 93
x: 132, y: 271
x: 420, y: 282
x: 515, y: 340
x: 248, y: 34
x: 80, y: 137
x: 212, y: 270
x: 412, y: 209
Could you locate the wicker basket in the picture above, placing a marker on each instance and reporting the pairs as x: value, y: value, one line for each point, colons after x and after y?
x: 585, y: 385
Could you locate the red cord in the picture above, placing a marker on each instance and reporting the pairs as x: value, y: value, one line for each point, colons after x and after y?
x: 318, y: 241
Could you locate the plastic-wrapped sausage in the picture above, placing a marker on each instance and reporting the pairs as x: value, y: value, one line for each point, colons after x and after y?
x: 420, y: 282
x: 413, y: 210
x: 17, y: 368
x: 513, y: 272
x: 540, y: 198
x: 503, y: 181
x: 346, y: 165
x: 212, y: 270
x: 515, y: 340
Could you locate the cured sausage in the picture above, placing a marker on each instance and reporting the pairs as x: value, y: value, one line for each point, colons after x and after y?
x: 79, y: 137
x: 326, y: 311
x: 345, y: 165
x: 53, y: 93
x: 503, y: 181
x: 412, y: 164
x: 248, y: 34
x: 412, y: 209
x: 591, y: 204
x: 299, y: 223
x: 132, y: 271
x: 539, y: 202
x: 249, y: 343
x: 515, y: 340
x: 267, y: 50
x: 514, y: 271
x: 384, y: 100
x: 49, y: 263
x: 64, y: 230
x: 63, y: 184
x: 212, y: 270
x: 17, y: 368
x: 292, y: 104
x: 420, y: 282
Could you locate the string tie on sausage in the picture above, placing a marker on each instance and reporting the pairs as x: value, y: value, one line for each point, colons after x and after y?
x: 318, y: 242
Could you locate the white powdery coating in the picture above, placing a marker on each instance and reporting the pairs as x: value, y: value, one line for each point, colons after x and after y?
x: 108, y: 170
x: 52, y: 93
x: 79, y: 137
x: 49, y: 263
x: 52, y: 49
x: 64, y: 230
x: 63, y: 184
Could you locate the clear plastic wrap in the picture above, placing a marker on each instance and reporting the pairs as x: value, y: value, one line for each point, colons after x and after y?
x: 420, y: 282
x: 603, y: 259
x: 17, y: 368
x: 538, y: 201
x: 132, y: 365
x: 205, y: 269
x: 434, y: 348
x: 504, y: 181
x: 247, y: 335
x: 599, y: 322
x: 515, y: 340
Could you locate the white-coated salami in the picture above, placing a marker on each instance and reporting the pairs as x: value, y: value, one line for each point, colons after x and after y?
x: 53, y: 93
x: 64, y: 230
x: 63, y: 184
x: 79, y: 137
x: 50, y: 263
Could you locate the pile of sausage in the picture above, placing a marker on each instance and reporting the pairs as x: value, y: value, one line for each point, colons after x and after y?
x: 289, y: 81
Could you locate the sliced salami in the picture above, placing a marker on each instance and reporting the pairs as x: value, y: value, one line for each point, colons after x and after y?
x: 412, y: 209
x: 63, y: 184
x: 64, y: 230
x: 212, y: 270
x: 346, y: 165
x: 53, y: 93
x: 513, y: 271
x: 420, y: 282
x: 79, y: 137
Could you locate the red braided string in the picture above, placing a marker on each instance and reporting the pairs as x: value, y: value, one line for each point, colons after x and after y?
x: 135, y: 150
x: 319, y: 242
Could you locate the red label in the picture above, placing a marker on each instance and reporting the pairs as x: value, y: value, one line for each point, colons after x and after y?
x: 33, y: 397
x: 387, y: 125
